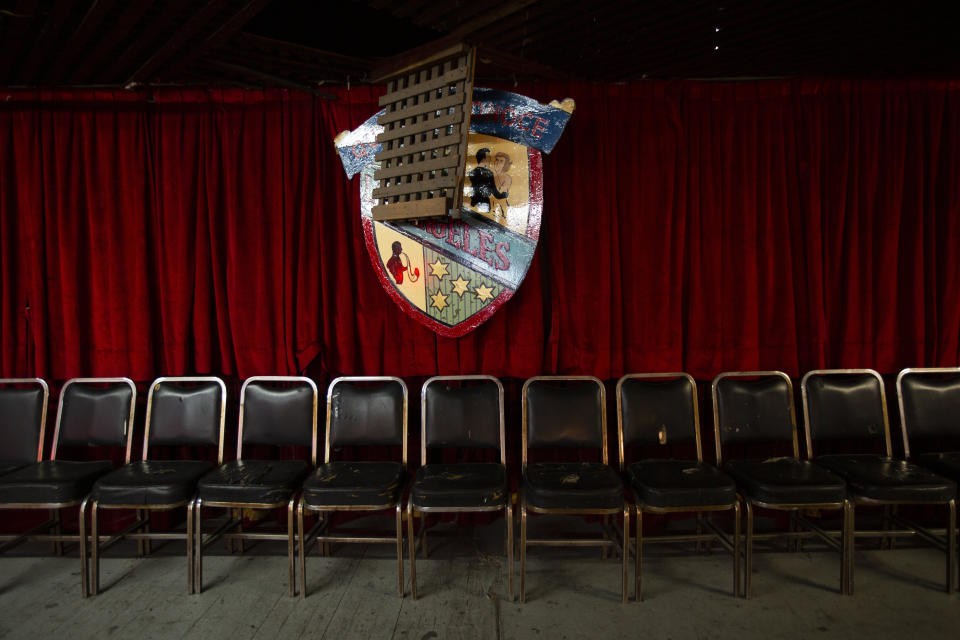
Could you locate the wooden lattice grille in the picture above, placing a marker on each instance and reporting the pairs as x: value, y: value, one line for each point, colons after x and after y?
x: 425, y: 128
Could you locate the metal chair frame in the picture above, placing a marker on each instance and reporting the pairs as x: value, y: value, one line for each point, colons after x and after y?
x: 320, y: 531
x: 844, y: 546
x: 236, y: 519
x: 140, y: 529
x: 890, y: 515
x: 639, y: 507
x: 606, y: 540
x: 58, y: 537
x: 414, y: 510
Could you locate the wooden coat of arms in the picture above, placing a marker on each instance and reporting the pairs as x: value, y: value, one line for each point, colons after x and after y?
x: 452, y: 273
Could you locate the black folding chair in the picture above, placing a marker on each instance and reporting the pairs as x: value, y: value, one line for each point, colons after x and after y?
x: 929, y: 400
x: 461, y: 412
x: 367, y: 412
x: 850, y: 405
x: 23, y: 408
x: 660, y: 410
x: 569, y: 412
x: 181, y: 412
x: 274, y: 411
x: 92, y: 412
x: 756, y: 408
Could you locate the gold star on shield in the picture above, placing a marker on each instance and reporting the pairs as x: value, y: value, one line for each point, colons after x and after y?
x: 439, y: 300
x: 439, y: 268
x: 460, y: 286
x: 484, y: 293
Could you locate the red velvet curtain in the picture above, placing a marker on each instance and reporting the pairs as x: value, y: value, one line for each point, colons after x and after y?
x: 687, y: 226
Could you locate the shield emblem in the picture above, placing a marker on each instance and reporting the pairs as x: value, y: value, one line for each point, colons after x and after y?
x: 451, y: 275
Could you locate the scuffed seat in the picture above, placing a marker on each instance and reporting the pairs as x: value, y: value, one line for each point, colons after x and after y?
x: 348, y: 484
x: 787, y: 480
x: 680, y: 483
x: 468, y: 485
x: 52, y: 481
x: 946, y: 463
x: 275, y: 411
x: 6, y: 466
x: 151, y: 483
x: 570, y: 412
x: 850, y: 406
x: 181, y: 412
x: 253, y: 481
x: 368, y: 412
x: 756, y: 408
x: 888, y: 479
x: 572, y: 485
x: 460, y: 416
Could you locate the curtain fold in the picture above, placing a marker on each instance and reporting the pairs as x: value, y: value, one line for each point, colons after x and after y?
x: 692, y: 226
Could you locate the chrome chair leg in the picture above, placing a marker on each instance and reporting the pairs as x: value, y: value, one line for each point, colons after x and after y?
x: 748, y: 568
x: 509, y: 518
x: 290, y: 544
x: 736, y: 548
x: 624, y: 589
x: 412, y: 544
x: 84, y: 566
x: 523, y: 551
x: 400, y: 548
x: 638, y: 566
x: 303, y: 547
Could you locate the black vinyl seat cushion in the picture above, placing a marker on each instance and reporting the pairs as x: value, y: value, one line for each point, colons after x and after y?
x: 354, y: 484
x: 889, y: 479
x: 787, y: 481
x: 51, y: 481
x: 572, y: 485
x: 474, y: 484
x: 680, y: 483
x: 7, y: 466
x: 946, y: 463
x: 151, y: 482
x: 253, y: 481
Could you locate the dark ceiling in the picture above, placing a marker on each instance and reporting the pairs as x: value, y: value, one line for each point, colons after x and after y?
x: 309, y: 43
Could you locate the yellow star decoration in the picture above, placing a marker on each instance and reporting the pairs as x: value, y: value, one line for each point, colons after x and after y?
x: 439, y: 300
x: 460, y: 286
x: 439, y: 268
x: 484, y: 293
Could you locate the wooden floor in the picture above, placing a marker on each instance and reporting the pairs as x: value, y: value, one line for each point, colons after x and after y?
x: 463, y: 594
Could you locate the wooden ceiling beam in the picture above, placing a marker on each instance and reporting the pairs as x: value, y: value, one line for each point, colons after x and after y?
x: 271, y: 78
x: 221, y: 35
x: 71, y: 51
x: 187, y: 31
x: 15, y: 36
x: 87, y: 68
x: 45, y: 44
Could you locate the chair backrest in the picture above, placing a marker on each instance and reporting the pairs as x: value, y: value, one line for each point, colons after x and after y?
x: 95, y: 412
x: 23, y: 418
x: 564, y: 411
x: 929, y: 403
x: 754, y: 407
x: 657, y: 409
x: 277, y: 411
x: 845, y: 404
x: 366, y: 411
x: 186, y: 411
x: 462, y: 412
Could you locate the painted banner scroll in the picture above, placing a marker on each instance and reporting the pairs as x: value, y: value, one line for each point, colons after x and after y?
x: 451, y: 275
